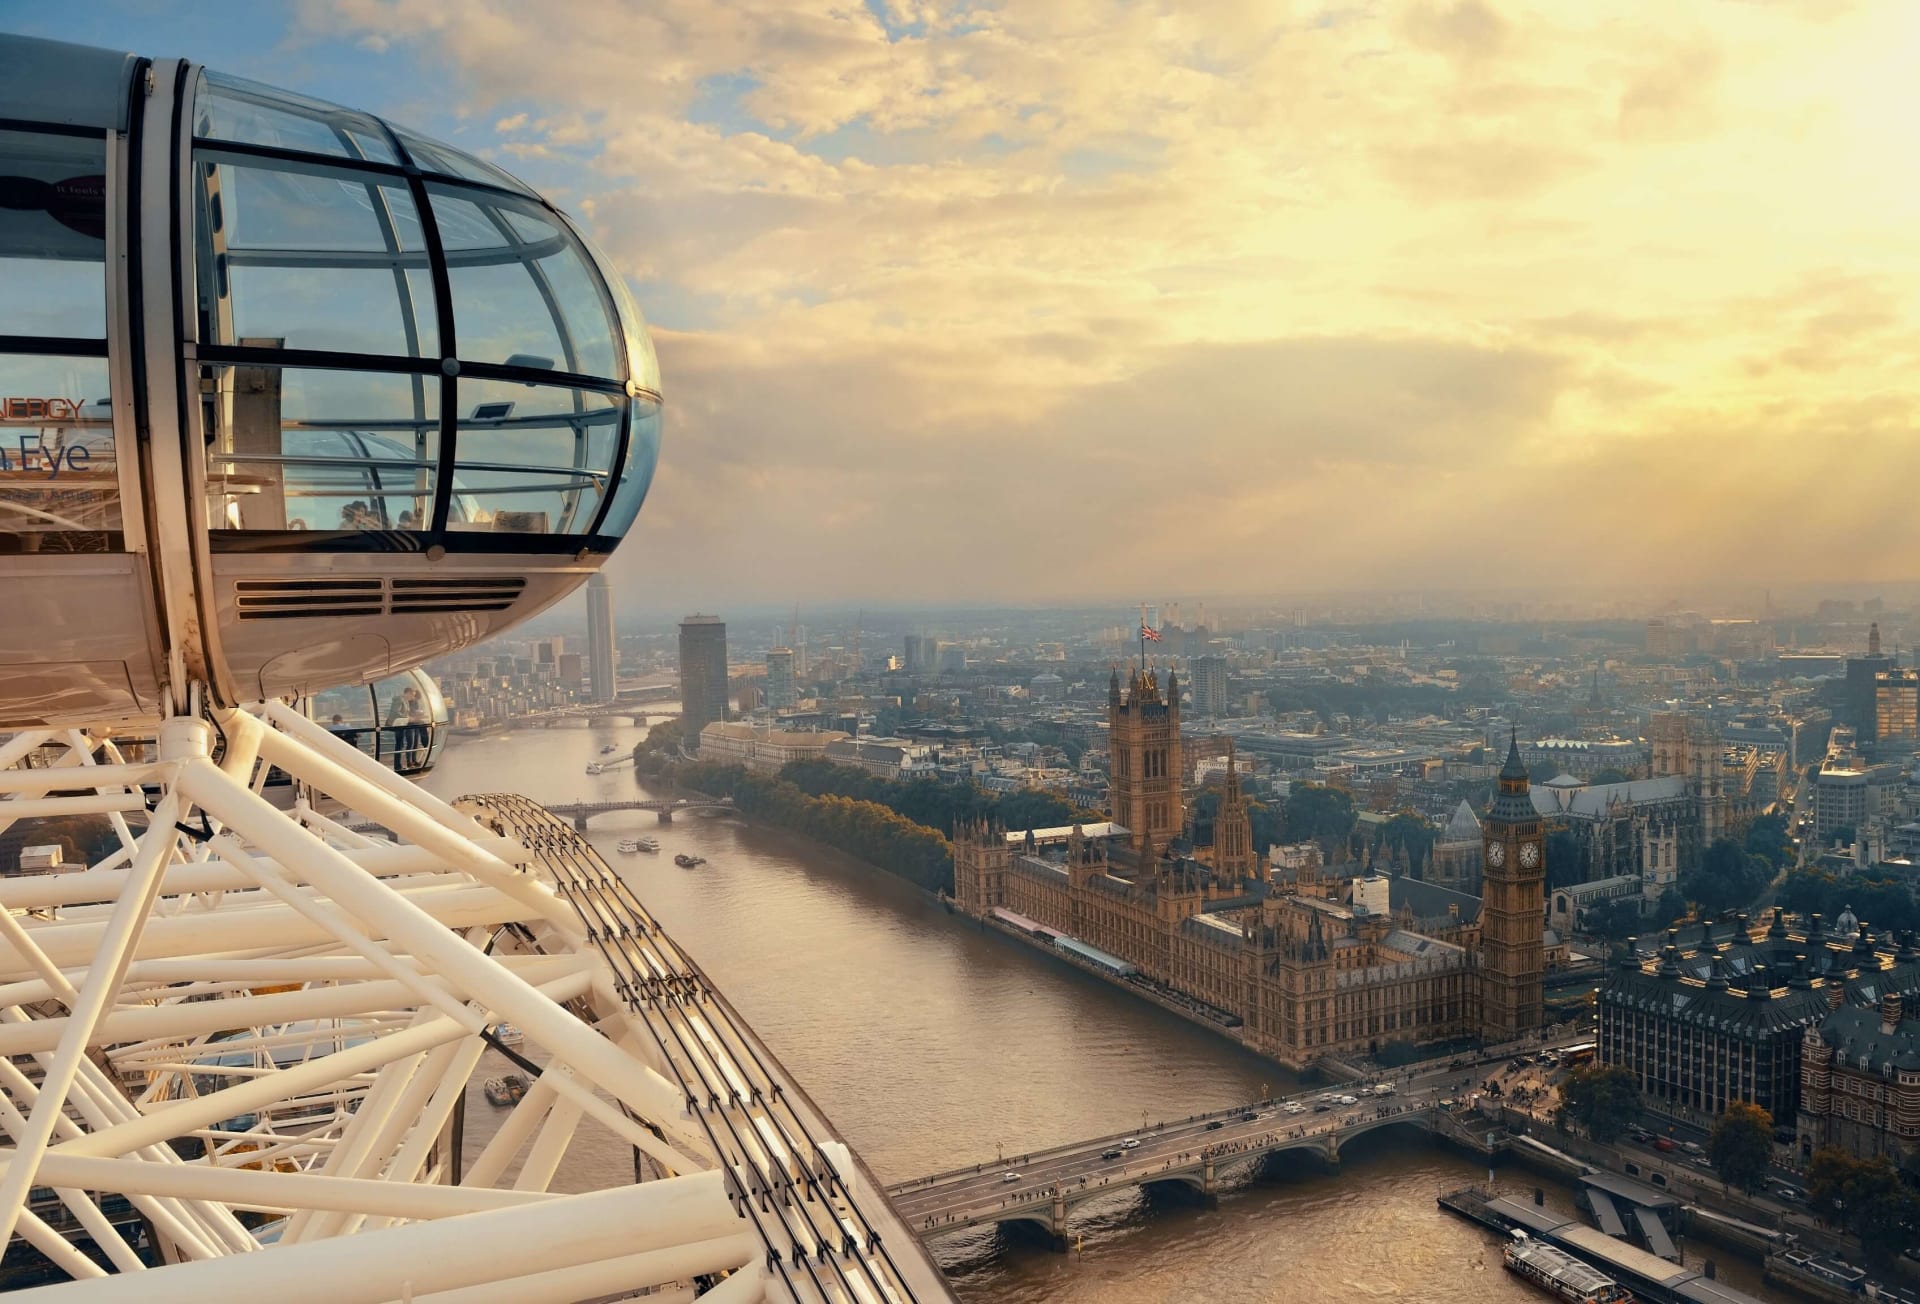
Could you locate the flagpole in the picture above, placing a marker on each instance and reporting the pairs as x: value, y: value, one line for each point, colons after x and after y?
x: 1143, y: 640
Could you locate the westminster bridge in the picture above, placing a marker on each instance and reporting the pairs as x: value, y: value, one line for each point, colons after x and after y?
x: 1202, y: 1153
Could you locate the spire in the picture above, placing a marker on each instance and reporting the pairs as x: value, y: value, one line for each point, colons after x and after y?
x: 1513, y: 769
x: 1873, y: 639
x: 1113, y: 687
x: 1173, y: 689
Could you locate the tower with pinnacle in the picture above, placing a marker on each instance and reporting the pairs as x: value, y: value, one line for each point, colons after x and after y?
x: 1512, y: 909
x: 1143, y: 738
x: 1234, y: 859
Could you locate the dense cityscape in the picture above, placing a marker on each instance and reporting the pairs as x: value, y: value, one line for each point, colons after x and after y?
x: 1694, y: 836
x: 1210, y: 653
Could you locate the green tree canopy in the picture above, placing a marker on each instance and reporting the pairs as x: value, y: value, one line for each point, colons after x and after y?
x: 1602, y: 1099
x: 1315, y: 812
x: 1767, y: 837
x: 1611, y: 775
x: 1727, y: 877
x: 1866, y: 1196
x: 1742, y: 1145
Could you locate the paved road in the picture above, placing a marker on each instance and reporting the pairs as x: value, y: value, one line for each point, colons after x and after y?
x: 986, y: 1189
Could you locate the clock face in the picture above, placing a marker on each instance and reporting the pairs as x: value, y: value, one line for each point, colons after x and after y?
x: 1530, y: 854
x: 1496, y: 854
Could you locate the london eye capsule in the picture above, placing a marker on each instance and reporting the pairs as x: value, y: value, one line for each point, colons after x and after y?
x: 290, y: 397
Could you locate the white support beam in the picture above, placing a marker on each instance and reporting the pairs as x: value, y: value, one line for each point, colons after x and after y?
x: 421, y: 1258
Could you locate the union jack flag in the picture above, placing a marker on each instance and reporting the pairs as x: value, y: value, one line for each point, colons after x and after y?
x: 1149, y: 633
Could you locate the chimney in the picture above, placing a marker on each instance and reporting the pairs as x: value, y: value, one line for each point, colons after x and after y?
x: 1890, y: 1008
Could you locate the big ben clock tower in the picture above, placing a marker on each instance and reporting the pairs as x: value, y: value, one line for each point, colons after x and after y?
x: 1512, y: 909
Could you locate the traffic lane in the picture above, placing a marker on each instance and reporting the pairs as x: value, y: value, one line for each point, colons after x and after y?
x: 991, y: 1190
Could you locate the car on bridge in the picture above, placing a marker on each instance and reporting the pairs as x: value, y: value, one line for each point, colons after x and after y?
x: 1131, y: 1143
x: 1215, y: 1125
x: 1112, y: 1152
x: 1009, y: 1177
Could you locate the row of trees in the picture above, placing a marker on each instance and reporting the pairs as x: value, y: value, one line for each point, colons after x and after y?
x: 1728, y: 877
x: 933, y: 803
x: 1866, y: 1196
x: 860, y: 828
x: 1882, y: 896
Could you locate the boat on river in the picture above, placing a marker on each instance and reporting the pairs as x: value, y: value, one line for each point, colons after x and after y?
x: 508, y: 1089
x: 688, y: 862
x: 1561, y: 1275
x: 608, y: 750
x: 629, y: 845
x: 649, y: 845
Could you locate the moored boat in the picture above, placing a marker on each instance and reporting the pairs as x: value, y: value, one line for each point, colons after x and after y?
x: 629, y: 845
x: 648, y: 845
x: 1561, y: 1275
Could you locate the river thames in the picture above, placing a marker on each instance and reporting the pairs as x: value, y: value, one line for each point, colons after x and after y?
x: 930, y: 1044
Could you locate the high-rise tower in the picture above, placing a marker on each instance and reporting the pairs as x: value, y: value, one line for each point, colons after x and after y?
x: 781, y: 692
x: 601, y: 656
x: 1143, y: 738
x: 1512, y: 909
x: 703, y: 675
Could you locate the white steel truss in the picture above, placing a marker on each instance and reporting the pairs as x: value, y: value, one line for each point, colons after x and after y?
x: 237, y: 1052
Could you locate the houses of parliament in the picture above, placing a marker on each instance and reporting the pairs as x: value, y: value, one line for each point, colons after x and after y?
x: 1299, y: 972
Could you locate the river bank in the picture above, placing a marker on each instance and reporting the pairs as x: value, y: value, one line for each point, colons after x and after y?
x: 932, y: 1043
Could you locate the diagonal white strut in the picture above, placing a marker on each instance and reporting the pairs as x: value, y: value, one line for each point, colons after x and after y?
x: 240, y: 1011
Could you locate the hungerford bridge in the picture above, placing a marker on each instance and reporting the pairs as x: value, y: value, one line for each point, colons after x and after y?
x: 666, y: 808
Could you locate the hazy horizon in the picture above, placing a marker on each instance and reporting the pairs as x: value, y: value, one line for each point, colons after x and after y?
x: 967, y: 304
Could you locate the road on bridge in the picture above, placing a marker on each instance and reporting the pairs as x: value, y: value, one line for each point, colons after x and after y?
x: 985, y: 1192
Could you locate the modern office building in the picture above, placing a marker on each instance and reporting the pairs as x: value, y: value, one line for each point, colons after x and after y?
x: 1209, y: 678
x: 703, y: 674
x: 781, y: 693
x: 1859, y: 698
x: 1896, y: 701
x: 602, y: 659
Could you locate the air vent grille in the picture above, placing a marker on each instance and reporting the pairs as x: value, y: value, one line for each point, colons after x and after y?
x: 295, y: 599
x: 471, y: 593
x: 292, y: 599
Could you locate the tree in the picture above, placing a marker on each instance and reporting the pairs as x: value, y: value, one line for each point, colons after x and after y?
x: 1741, y: 1146
x: 1671, y: 906
x: 1611, y: 775
x: 1316, y: 812
x: 1767, y: 837
x: 1866, y: 1196
x: 1619, y: 918
x: 1602, y: 1099
x: 1566, y: 861
x: 1726, y: 878
x: 1541, y: 771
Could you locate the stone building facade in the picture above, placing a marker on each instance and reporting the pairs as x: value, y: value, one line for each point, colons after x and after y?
x: 1860, y: 1082
x: 1724, y: 1012
x: 1302, y: 975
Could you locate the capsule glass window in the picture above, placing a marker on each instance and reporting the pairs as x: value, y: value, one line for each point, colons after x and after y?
x: 320, y: 451
x: 234, y: 109
x: 532, y: 459
x: 306, y: 256
x: 523, y: 292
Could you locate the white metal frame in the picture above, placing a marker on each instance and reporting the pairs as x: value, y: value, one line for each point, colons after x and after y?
x: 242, y: 1012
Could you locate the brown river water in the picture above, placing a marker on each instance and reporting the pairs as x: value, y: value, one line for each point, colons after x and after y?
x: 930, y: 1043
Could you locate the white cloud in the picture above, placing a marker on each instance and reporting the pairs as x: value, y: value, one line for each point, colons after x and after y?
x: 1317, y: 286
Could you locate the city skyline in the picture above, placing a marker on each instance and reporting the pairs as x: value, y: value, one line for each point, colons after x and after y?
x: 1418, y: 278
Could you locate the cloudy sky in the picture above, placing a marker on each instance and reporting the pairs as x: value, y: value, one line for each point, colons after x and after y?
x: 1103, y: 300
